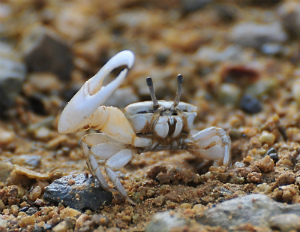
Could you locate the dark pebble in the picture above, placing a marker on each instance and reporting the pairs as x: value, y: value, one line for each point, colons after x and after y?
x: 270, y: 151
x: 250, y: 104
x: 24, y: 209
x: 31, y: 211
x: 80, y: 194
x: 189, y: 6
x: 274, y: 156
x: 44, y: 51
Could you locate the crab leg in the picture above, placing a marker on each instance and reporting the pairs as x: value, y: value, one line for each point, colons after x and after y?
x: 92, y: 94
x: 212, y: 143
x: 112, y: 156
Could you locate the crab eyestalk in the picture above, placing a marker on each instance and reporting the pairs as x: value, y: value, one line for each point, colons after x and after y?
x: 152, y: 93
x: 179, y: 89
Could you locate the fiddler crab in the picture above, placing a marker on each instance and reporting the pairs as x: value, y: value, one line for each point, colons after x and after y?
x: 144, y: 126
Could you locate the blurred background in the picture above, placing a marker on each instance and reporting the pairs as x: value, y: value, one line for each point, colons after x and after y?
x: 49, y: 48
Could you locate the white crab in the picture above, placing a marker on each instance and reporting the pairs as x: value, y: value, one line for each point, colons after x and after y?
x: 145, y: 126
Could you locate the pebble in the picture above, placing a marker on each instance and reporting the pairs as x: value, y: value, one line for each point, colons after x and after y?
x: 6, y: 137
x: 212, y: 55
x: 256, y: 209
x: 83, y: 194
x: 12, y: 76
x: 266, y: 164
x: 30, y: 160
x: 69, y: 212
x: 42, y: 133
x: 296, y: 91
x: 285, y: 222
x: 250, y: 104
x: 274, y: 156
x: 262, y: 87
x: 44, y: 82
x: 165, y: 221
x: 273, y: 49
x: 73, y: 22
x: 289, y: 13
x: 256, y: 35
x: 44, y: 51
x: 27, y: 220
x: 6, y: 168
x: 226, y: 13
x: 3, y: 223
x: 61, y: 227
x: 35, y: 193
x: 2, y: 205
x: 267, y: 137
x: 189, y: 6
x: 229, y: 94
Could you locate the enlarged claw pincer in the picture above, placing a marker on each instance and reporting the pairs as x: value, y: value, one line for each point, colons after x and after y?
x: 92, y: 94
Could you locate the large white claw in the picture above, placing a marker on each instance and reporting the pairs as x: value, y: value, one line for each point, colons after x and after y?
x: 92, y: 94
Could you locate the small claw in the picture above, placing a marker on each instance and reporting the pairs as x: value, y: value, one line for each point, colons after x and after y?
x: 92, y: 94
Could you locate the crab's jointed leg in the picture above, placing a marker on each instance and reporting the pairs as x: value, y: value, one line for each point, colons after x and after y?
x: 112, y: 157
x: 212, y: 143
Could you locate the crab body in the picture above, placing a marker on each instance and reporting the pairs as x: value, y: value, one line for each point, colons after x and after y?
x: 166, y: 125
x: 144, y: 126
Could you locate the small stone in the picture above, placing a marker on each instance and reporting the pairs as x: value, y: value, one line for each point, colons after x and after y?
x: 229, y: 94
x: 61, y: 227
x: 266, y: 164
x: 44, y: 51
x: 35, y: 193
x: 186, y: 206
x: 189, y: 6
x: 165, y: 221
x: 207, y: 54
x: 27, y: 220
x: 44, y: 82
x: 272, y: 49
x: 14, y: 209
x: 6, y: 137
x: 267, y: 138
x: 296, y: 91
x: 6, y: 168
x: 42, y: 133
x: 3, y: 223
x: 256, y: 35
x: 30, y: 160
x: 262, y: 87
x: 2, y: 205
x: 12, y: 76
x: 69, y: 212
x: 285, y: 222
x: 256, y: 209
x: 227, y: 13
x: 126, y: 218
x: 274, y: 156
x: 159, y: 201
x: 250, y: 104
x: 289, y: 13
x: 31, y: 211
x: 84, y: 194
